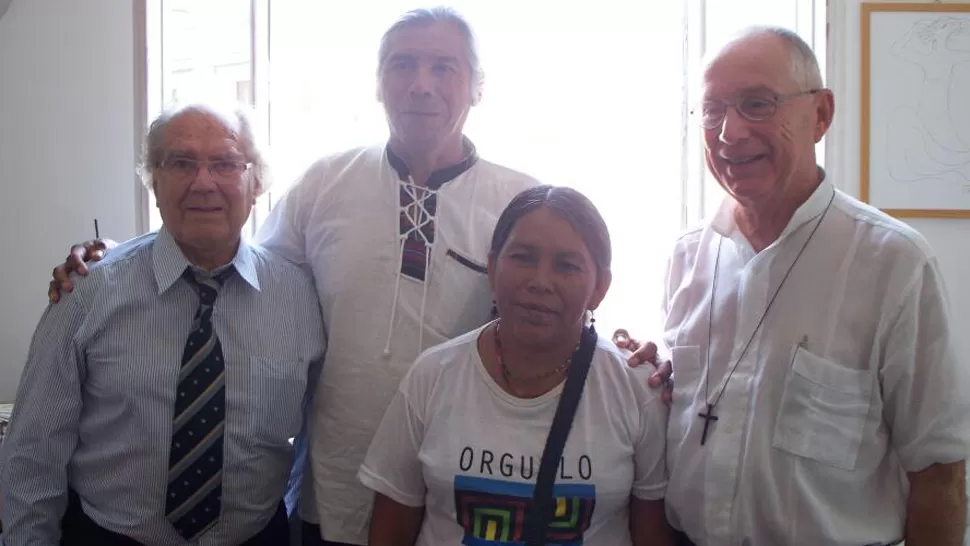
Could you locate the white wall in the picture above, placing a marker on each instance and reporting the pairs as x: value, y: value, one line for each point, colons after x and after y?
x: 67, y: 149
x: 68, y: 134
x: 950, y: 239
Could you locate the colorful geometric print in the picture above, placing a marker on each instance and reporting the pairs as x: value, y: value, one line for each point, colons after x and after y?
x: 492, y: 512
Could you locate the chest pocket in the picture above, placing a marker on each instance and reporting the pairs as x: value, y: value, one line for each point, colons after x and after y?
x: 823, y: 410
x: 461, y: 294
x: 279, y: 386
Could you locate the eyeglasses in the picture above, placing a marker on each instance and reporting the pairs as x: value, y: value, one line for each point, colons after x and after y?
x: 755, y: 106
x: 223, y: 171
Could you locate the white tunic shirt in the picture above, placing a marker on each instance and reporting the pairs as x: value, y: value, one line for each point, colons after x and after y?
x: 851, y: 381
x: 457, y: 444
x: 343, y: 220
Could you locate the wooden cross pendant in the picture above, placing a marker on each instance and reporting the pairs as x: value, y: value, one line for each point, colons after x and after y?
x: 707, y: 417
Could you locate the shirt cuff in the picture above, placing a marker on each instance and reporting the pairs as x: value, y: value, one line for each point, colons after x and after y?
x: 650, y: 491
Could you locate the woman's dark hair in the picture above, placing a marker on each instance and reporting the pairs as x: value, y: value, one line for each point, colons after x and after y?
x: 566, y: 203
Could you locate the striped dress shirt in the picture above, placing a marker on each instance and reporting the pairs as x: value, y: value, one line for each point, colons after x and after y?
x: 95, y: 403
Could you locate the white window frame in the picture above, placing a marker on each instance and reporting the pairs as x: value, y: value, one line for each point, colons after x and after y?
x: 150, y: 86
x: 810, y: 22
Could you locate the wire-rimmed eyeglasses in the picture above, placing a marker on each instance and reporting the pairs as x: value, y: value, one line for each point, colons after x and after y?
x: 224, y: 171
x: 752, y: 106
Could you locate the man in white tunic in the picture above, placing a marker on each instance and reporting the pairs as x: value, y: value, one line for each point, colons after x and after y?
x: 397, y: 237
x: 817, y: 395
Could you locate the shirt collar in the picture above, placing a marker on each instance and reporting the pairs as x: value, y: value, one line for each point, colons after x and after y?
x: 169, y: 263
x: 723, y: 221
x: 441, y: 176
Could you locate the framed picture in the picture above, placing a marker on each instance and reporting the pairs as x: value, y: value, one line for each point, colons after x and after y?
x: 915, y: 133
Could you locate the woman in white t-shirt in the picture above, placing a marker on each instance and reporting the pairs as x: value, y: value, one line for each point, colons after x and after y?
x: 456, y: 458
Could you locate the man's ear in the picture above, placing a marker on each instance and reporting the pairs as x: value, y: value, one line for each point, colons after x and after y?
x: 477, y: 94
x: 825, y: 112
x: 379, y: 88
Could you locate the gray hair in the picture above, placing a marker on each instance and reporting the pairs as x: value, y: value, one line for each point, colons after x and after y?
x: 805, y: 69
x: 428, y: 16
x: 236, y: 118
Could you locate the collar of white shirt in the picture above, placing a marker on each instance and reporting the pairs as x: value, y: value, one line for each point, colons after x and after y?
x: 169, y: 263
x: 723, y: 222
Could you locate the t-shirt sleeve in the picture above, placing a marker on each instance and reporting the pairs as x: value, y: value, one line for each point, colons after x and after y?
x: 650, y: 449
x: 392, y: 467
x: 924, y: 380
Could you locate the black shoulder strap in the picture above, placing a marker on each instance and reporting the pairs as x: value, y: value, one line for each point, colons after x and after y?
x: 541, y: 510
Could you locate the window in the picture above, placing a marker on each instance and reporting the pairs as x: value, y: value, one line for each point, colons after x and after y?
x: 713, y: 21
x: 590, y: 98
x: 198, y: 50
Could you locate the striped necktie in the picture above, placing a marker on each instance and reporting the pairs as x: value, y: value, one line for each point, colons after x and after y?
x: 194, y: 496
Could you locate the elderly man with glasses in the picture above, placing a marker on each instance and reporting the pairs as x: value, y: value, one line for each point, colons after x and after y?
x: 817, y: 396
x: 159, y: 397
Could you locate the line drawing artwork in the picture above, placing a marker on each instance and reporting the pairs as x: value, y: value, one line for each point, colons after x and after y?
x: 928, y: 138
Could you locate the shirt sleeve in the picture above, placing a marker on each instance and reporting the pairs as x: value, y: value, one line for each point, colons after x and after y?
x: 665, y: 301
x: 673, y: 275
x: 43, y: 429
x: 392, y: 467
x: 924, y: 382
x: 650, y: 449
x: 284, y: 230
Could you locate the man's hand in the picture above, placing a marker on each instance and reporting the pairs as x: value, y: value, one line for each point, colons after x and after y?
x: 647, y: 352
x: 89, y: 251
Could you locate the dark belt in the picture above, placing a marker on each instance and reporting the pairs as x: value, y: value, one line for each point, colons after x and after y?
x: 77, y: 529
x: 680, y: 539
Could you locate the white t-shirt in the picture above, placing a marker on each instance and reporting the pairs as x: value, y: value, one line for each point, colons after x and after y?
x: 454, y: 442
x: 342, y: 219
x: 851, y: 381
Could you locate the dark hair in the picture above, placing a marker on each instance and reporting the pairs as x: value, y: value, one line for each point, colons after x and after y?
x: 566, y: 203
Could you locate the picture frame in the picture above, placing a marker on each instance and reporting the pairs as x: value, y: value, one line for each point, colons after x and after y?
x: 915, y: 117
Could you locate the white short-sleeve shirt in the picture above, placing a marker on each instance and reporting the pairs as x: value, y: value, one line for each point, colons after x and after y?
x: 454, y: 442
x: 851, y: 381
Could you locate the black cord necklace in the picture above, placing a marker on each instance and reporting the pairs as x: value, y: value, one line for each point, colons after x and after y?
x: 709, y: 416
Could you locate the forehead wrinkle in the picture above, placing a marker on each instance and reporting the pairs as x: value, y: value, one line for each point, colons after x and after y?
x: 438, y: 39
x: 764, y: 57
x: 196, y: 133
x: 194, y: 122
